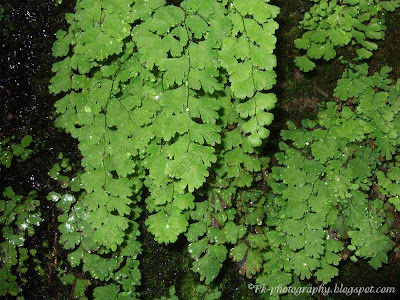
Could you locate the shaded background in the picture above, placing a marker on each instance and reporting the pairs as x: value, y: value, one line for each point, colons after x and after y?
x: 27, y: 32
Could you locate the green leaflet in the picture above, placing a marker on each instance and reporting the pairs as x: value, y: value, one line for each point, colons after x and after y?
x: 201, y: 292
x: 332, y: 24
x: 172, y: 295
x: 206, y: 241
x: 80, y: 284
x: 323, y: 184
x: 207, y: 293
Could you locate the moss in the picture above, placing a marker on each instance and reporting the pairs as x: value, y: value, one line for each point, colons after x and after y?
x: 162, y: 266
x: 362, y: 274
x: 188, y: 286
x: 233, y: 285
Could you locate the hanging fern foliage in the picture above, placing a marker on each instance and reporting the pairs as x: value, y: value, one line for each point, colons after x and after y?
x: 171, y: 105
x: 333, y: 24
x: 336, y: 183
x: 173, y: 100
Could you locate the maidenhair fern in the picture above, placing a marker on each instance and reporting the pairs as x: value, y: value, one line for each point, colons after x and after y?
x: 77, y: 236
x: 172, y: 295
x: 333, y: 24
x: 388, y: 183
x: 335, y: 183
x: 157, y: 94
x: 171, y: 103
x: 202, y: 292
x: 10, y: 150
x: 18, y: 217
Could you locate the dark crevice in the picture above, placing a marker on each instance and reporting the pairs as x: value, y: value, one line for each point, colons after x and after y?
x: 174, y: 2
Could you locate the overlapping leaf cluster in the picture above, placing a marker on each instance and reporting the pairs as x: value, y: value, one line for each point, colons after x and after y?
x: 388, y: 182
x: 10, y: 150
x: 333, y: 24
x: 172, y: 99
x: 230, y: 213
x: 18, y: 217
x: 335, y: 183
x: 120, y: 269
x: 99, y: 72
x: 209, y: 65
x: 201, y: 292
x: 171, y: 293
